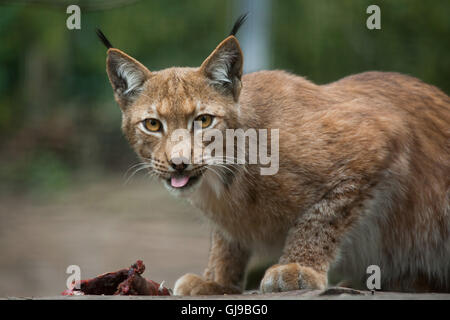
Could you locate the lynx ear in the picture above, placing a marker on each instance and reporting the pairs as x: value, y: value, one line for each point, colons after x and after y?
x: 223, y: 67
x: 126, y: 75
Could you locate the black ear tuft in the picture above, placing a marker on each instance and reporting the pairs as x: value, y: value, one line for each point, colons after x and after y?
x: 239, y: 22
x: 103, y: 38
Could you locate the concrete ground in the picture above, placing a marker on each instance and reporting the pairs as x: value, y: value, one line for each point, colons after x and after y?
x: 334, y: 293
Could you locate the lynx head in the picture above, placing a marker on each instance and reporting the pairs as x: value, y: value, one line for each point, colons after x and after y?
x: 155, y: 105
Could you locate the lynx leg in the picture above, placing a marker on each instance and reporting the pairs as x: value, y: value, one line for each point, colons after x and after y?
x: 313, y: 241
x: 224, y: 274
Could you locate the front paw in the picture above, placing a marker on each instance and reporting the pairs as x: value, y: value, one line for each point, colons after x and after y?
x: 194, y: 285
x: 292, y: 276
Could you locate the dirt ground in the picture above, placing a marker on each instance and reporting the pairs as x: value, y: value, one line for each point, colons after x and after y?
x: 101, y: 226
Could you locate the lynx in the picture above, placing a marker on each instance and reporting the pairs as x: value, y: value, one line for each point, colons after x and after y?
x: 363, y: 179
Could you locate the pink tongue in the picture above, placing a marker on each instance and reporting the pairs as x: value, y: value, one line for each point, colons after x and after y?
x: 179, y: 182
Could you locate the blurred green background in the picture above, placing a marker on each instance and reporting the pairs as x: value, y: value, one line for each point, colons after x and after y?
x: 58, y: 119
x: 60, y: 127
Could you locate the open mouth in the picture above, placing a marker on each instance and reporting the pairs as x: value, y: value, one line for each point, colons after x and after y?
x: 182, y: 181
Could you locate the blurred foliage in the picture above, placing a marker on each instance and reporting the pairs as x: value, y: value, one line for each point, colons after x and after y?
x: 57, y: 114
x: 326, y: 39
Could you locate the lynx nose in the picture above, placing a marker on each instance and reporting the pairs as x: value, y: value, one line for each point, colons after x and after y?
x: 179, y: 164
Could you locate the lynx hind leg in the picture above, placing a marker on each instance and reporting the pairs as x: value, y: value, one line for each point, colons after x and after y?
x: 291, y: 276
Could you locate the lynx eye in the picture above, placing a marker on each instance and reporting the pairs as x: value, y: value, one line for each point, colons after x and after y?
x: 152, y: 125
x: 205, y: 119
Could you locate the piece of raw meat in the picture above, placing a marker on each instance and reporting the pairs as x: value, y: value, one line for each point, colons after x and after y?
x: 122, y: 282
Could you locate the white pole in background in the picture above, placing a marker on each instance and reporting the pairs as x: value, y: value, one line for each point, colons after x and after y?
x: 254, y: 36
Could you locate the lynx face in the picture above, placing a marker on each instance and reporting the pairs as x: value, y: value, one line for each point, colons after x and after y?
x: 160, y: 108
